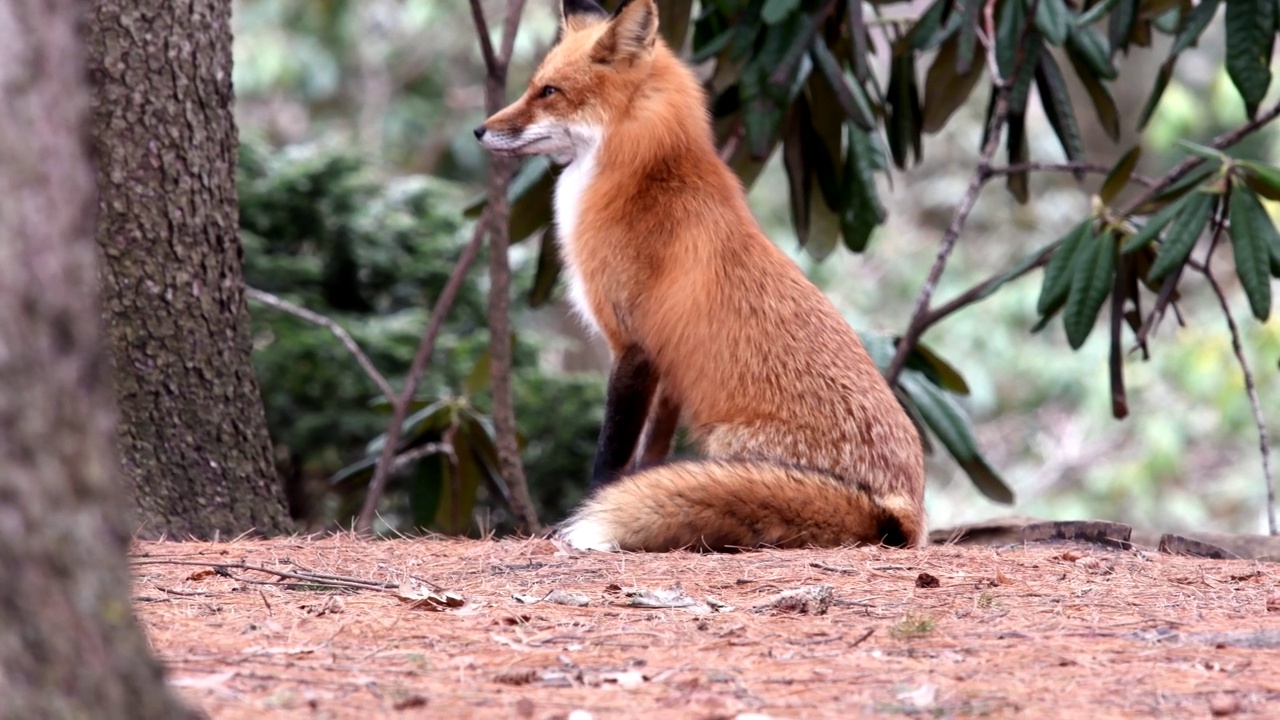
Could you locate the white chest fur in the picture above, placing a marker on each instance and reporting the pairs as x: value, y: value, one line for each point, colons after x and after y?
x: 571, y: 188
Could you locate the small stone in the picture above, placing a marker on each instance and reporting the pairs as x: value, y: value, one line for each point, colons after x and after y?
x: 1222, y: 705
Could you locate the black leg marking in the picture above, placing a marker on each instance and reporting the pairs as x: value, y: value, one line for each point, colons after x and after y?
x: 632, y: 381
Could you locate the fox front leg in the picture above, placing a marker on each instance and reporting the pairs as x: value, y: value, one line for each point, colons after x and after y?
x: 632, y: 382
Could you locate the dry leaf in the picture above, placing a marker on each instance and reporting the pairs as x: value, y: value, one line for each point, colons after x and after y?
x: 201, y: 574
x: 808, y: 600
x: 427, y: 599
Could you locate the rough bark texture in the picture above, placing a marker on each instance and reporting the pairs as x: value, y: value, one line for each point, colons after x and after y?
x: 70, y: 646
x: 193, y: 435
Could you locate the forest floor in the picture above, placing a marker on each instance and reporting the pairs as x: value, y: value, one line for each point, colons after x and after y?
x: 523, y: 629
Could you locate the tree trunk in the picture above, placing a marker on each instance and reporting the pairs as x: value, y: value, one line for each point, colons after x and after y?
x: 71, y: 647
x: 193, y: 434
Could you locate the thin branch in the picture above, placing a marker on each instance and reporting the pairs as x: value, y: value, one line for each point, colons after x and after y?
x: 279, y: 303
x: 981, y: 175
x: 1191, y: 162
x: 1067, y: 167
x: 497, y: 211
x: 313, y: 579
x: 486, y: 44
x: 925, y: 319
x: 1251, y: 388
x: 420, y: 452
x: 401, y: 405
x: 515, y: 10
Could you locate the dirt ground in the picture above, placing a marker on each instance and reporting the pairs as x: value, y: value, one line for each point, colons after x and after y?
x: 522, y: 629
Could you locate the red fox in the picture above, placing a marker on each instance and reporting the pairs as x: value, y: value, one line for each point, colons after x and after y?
x: 708, y: 322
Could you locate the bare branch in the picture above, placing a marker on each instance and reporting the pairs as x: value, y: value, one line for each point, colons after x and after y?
x: 515, y: 10
x: 497, y: 212
x: 1067, y: 167
x: 1264, y: 445
x: 924, y: 319
x: 279, y: 303
x: 486, y: 44
x: 981, y: 175
x: 409, y: 456
x: 401, y: 405
x: 1191, y: 162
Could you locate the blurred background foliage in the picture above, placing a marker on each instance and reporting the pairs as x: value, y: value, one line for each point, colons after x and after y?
x: 358, y: 165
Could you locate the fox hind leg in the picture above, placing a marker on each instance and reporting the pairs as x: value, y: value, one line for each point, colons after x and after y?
x: 659, y: 432
x: 630, y: 390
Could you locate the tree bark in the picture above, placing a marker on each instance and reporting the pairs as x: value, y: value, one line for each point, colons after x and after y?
x: 193, y: 435
x: 71, y: 646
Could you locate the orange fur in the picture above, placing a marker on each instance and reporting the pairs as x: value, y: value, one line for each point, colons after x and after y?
x: 806, y: 442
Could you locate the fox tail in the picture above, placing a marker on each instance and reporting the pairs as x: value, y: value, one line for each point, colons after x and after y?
x: 727, y: 504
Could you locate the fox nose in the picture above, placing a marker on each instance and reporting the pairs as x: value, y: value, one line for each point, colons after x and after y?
x: 479, y: 131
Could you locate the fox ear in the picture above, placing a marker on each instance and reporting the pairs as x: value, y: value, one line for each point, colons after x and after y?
x: 578, y: 14
x: 632, y: 31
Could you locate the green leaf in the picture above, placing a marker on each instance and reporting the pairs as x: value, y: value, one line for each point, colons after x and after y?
x: 1120, y: 25
x: 1009, y: 37
x: 862, y: 211
x: 531, y: 173
x: 932, y: 29
x: 903, y: 116
x: 1194, y: 26
x: 1207, y: 153
x: 822, y: 144
x: 1092, y: 272
x: 748, y: 29
x: 799, y: 177
x: 852, y: 98
x: 947, y: 420
x: 1191, y: 180
x: 1057, y: 107
x: 548, y: 270
x: 1264, y: 179
x: 427, y: 488
x: 1095, y: 13
x: 1057, y: 274
x: 1152, y: 228
x: 1253, y: 237
x: 1103, y: 103
x: 775, y: 11
x: 713, y: 46
x: 1091, y: 50
x: 1053, y: 19
x: 1119, y: 175
x: 1251, y: 36
x: 478, y: 378
x: 1170, y: 20
x: 459, y: 489
x: 1195, y: 214
x: 945, y: 90
x: 760, y: 121
x: 939, y: 371
x: 1153, y: 100
x: 1017, y: 149
x: 967, y: 39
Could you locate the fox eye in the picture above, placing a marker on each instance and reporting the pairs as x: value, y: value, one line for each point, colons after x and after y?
x: 547, y: 91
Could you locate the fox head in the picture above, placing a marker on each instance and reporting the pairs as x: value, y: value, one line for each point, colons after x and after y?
x: 584, y: 84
